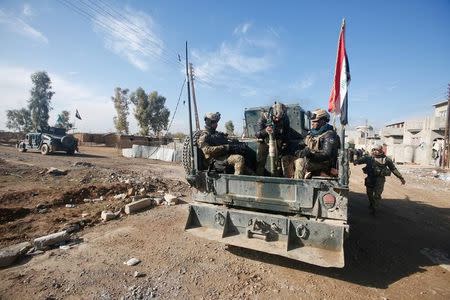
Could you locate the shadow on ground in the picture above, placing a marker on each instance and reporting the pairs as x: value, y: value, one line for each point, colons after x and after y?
x: 63, y: 154
x: 383, y: 249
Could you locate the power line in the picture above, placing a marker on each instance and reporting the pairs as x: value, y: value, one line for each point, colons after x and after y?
x: 111, y: 8
x: 176, y: 107
x: 130, y: 27
x: 88, y: 15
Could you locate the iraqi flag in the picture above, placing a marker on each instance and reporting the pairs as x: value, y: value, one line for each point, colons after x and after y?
x: 338, y: 103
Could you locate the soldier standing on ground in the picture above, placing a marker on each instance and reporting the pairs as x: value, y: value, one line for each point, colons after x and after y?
x: 320, y: 152
x: 216, y: 145
x: 378, y: 166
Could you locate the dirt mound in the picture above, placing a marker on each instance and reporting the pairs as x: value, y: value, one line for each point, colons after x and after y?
x: 92, y: 191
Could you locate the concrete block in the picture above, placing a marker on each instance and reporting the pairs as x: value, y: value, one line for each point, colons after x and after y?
x: 107, y: 215
x: 136, y: 206
x: 9, y: 254
x: 51, y: 239
x: 170, y: 199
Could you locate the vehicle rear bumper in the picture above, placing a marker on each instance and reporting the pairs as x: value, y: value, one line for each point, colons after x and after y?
x: 318, y: 242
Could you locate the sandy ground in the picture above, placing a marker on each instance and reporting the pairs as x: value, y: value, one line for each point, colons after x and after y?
x: 394, y: 255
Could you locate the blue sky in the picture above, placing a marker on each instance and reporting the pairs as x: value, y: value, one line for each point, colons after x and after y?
x: 245, y: 53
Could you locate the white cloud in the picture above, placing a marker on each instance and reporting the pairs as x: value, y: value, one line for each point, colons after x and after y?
x: 132, y: 37
x: 19, y: 26
x: 241, y: 57
x: 274, y: 32
x: 27, y: 11
x: 306, y: 83
x: 96, y: 110
x: 242, y: 28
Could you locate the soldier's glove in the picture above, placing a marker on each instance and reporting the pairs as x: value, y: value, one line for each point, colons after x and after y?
x: 237, y: 148
x: 305, y: 152
x: 402, y: 180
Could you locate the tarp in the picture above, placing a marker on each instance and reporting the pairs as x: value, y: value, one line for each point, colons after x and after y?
x: 160, y: 153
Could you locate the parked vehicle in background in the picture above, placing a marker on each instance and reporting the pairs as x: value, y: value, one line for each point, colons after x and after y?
x: 49, y: 140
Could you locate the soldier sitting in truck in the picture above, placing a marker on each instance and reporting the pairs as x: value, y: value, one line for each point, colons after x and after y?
x: 275, y: 124
x: 218, y: 149
x: 320, y: 150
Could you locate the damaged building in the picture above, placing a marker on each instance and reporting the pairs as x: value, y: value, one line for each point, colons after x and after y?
x: 419, y: 141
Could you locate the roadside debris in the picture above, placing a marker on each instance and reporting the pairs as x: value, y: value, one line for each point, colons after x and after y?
x: 82, y: 164
x: 137, y: 206
x: 56, y: 172
x: 70, y: 205
x: 109, y: 215
x: 138, y: 274
x: 132, y: 262
x: 170, y: 199
x: 45, y: 241
x: 10, y: 254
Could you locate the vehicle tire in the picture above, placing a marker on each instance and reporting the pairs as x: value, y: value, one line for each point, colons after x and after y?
x: 45, y: 149
x: 68, y: 141
x: 186, y: 154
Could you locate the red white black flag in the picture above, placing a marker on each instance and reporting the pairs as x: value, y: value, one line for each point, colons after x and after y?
x: 338, y: 103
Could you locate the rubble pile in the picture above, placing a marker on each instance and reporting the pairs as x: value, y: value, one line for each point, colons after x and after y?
x: 55, y: 203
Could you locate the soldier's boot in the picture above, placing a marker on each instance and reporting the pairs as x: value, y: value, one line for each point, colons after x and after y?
x: 238, y: 162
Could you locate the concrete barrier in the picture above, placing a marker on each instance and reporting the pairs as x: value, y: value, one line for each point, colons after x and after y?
x: 137, y: 206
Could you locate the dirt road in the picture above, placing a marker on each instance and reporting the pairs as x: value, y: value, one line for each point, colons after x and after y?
x: 389, y: 256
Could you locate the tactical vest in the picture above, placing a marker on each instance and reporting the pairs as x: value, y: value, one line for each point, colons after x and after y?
x: 312, y: 142
x: 378, y: 167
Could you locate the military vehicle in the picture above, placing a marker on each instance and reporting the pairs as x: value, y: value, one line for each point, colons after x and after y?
x: 303, y: 219
x: 50, y: 140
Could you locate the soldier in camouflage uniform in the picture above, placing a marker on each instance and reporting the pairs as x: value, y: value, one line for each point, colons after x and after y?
x: 276, y: 122
x: 320, y: 150
x: 378, y: 166
x: 216, y: 145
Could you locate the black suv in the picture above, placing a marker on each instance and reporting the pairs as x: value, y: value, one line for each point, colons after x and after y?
x: 50, y: 140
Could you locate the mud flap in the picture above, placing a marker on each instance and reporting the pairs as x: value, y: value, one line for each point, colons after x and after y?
x: 312, y: 241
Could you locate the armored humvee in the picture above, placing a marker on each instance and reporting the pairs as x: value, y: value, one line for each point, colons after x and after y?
x: 303, y: 219
x: 49, y: 140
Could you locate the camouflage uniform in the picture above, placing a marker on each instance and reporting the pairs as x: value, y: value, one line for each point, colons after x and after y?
x: 215, y: 145
x: 281, y: 132
x: 321, y: 153
x: 377, y: 168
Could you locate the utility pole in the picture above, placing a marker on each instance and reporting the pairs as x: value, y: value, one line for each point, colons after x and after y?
x: 191, y: 144
x: 446, y: 134
x: 191, y: 73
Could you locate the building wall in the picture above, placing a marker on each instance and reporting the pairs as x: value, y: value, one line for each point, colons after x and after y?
x: 412, y: 141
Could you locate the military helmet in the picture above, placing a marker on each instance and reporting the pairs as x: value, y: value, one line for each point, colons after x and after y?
x: 278, y: 110
x: 320, y: 114
x: 215, y: 117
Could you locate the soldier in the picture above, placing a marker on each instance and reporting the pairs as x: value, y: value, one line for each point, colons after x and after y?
x: 275, y: 122
x: 378, y: 166
x: 320, y: 152
x: 216, y: 145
